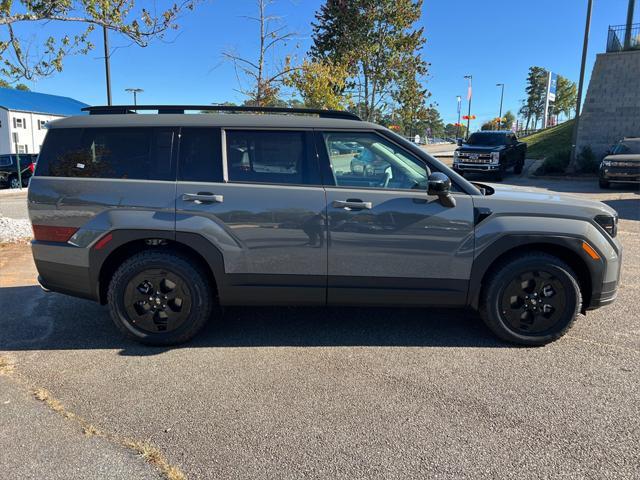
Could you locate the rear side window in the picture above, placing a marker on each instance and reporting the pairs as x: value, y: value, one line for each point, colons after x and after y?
x: 270, y: 157
x: 200, y: 155
x: 5, y: 161
x: 125, y: 153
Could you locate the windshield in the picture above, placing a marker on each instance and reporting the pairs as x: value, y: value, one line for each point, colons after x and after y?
x: 487, y: 139
x: 626, y: 147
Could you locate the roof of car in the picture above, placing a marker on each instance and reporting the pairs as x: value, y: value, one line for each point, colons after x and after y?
x: 494, y: 131
x: 239, y: 120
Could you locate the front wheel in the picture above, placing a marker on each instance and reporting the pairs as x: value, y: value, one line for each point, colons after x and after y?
x: 532, y: 299
x: 603, y: 184
x: 159, y: 298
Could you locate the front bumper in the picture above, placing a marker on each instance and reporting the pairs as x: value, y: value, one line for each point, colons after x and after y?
x: 620, y: 174
x: 476, y: 167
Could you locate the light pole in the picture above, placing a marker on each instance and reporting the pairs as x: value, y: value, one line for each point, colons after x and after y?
x: 107, y: 68
x: 135, y: 92
x: 501, y: 97
x: 574, y: 137
x: 469, y: 93
x: 459, y: 99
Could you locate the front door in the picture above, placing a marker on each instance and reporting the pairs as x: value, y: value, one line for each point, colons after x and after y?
x: 256, y: 196
x: 389, y: 242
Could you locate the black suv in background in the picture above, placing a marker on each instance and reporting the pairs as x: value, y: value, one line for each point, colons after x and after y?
x: 490, y: 151
x: 9, y: 169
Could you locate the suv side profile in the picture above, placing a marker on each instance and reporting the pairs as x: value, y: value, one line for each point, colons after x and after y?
x: 166, y: 216
x: 9, y: 169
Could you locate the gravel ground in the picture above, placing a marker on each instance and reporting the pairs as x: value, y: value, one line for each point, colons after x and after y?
x: 14, y: 230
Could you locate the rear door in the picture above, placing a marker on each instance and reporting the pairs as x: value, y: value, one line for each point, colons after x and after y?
x: 389, y: 242
x: 256, y: 196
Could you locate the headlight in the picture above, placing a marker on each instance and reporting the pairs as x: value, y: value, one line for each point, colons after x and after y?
x: 495, y: 157
x: 609, y: 223
x: 606, y: 163
x: 455, y: 155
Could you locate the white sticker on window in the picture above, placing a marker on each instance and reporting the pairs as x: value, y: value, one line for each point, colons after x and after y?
x: 79, y: 165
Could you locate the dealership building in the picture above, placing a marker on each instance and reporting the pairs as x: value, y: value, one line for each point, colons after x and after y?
x: 24, y: 115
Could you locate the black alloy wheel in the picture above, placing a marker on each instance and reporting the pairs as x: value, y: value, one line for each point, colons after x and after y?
x: 533, y: 302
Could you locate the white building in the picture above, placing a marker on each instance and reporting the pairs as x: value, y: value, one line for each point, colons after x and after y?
x: 23, y: 116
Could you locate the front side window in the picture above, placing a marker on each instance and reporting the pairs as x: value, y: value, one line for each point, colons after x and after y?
x: 126, y: 153
x: 367, y: 160
x: 263, y: 156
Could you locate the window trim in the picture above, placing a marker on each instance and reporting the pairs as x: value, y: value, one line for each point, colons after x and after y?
x: 310, y: 157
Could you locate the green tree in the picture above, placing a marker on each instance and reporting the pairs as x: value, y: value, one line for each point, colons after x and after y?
x: 321, y: 84
x: 19, y: 86
x: 533, y: 107
x: 378, y: 42
x: 452, y: 130
x: 411, y: 109
x: 264, y: 78
x: 17, y: 59
x: 566, y: 96
x: 507, y: 120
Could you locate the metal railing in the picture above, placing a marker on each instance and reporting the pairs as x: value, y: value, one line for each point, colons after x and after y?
x: 623, y: 38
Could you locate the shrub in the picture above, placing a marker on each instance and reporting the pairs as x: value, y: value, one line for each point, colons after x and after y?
x: 556, y: 163
x: 587, y: 161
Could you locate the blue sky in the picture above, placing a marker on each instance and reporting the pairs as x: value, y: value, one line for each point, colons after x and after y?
x: 494, y: 40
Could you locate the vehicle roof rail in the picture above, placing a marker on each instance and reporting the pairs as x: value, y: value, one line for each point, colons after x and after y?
x: 181, y: 109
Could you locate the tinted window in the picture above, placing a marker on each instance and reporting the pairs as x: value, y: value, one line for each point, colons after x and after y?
x: 269, y: 157
x: 200, y: 155
x: 487, y: 139
x: 131, y: 153
x: 5, y: 161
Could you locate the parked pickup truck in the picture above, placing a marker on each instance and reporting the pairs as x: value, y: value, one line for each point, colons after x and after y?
x: 491, y: 152
x: 9, y: 169
x: 622, y: 164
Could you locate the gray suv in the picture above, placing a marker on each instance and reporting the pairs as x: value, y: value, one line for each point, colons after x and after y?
x: 167, y: 216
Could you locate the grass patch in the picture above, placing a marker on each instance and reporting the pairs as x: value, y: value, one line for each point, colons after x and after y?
x: 550, y: 141
x: 6, y: 367
x: 148, y: 452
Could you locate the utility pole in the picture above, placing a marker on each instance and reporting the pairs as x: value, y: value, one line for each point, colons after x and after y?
x: 585, y: 45
x: 501, y: 97
x: 469, y: 94
x: 107, y: 68
x: 627, y: 30
x: 459, y: 99
x: 135, y: 92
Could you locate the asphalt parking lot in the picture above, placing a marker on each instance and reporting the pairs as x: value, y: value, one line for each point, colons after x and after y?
x: 314, y: 393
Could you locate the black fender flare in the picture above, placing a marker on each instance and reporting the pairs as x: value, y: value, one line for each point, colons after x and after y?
x: 485, y: 259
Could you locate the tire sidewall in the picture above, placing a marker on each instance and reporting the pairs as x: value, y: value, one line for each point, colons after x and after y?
x: 193, y: 281
x: 571, y: 309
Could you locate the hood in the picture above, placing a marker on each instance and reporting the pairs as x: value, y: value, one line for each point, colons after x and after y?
x: 479, y: 148
x: 515, y: 199
x: 624, y: 157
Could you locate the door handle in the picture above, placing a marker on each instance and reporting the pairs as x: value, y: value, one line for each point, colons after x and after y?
x: 352, y: 204
x: 202, y: 197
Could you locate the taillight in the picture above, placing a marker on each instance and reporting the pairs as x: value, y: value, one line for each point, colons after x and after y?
x: 32, y: 167
x: 46, y: 233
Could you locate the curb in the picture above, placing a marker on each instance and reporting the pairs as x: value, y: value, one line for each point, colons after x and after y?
x: 9, y: 192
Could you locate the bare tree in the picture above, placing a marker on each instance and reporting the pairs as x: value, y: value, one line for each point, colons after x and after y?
x: 30, y: 60
x: 265, y: 78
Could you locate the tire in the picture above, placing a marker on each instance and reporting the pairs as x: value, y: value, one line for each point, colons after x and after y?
x: 460, y: 172
x: 498, y: 175
x: 517, y: 169
x: 539, y: 313
x: 180, y: 298
x: 603, y: 184
x: 14, y: 182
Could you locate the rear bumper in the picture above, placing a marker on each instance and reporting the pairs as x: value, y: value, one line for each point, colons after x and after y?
x: 63, y: 268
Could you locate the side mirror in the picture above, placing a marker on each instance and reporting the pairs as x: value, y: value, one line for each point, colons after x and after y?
x: 440, y: 185
x: 459, y: 142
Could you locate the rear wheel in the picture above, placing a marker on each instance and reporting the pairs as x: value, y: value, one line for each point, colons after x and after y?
x: 14, y: 182
x: 159, y: 298
x: 532, y: 299
x: 517, y: 169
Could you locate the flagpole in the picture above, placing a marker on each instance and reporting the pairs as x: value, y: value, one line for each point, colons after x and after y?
x: 469, y: 95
